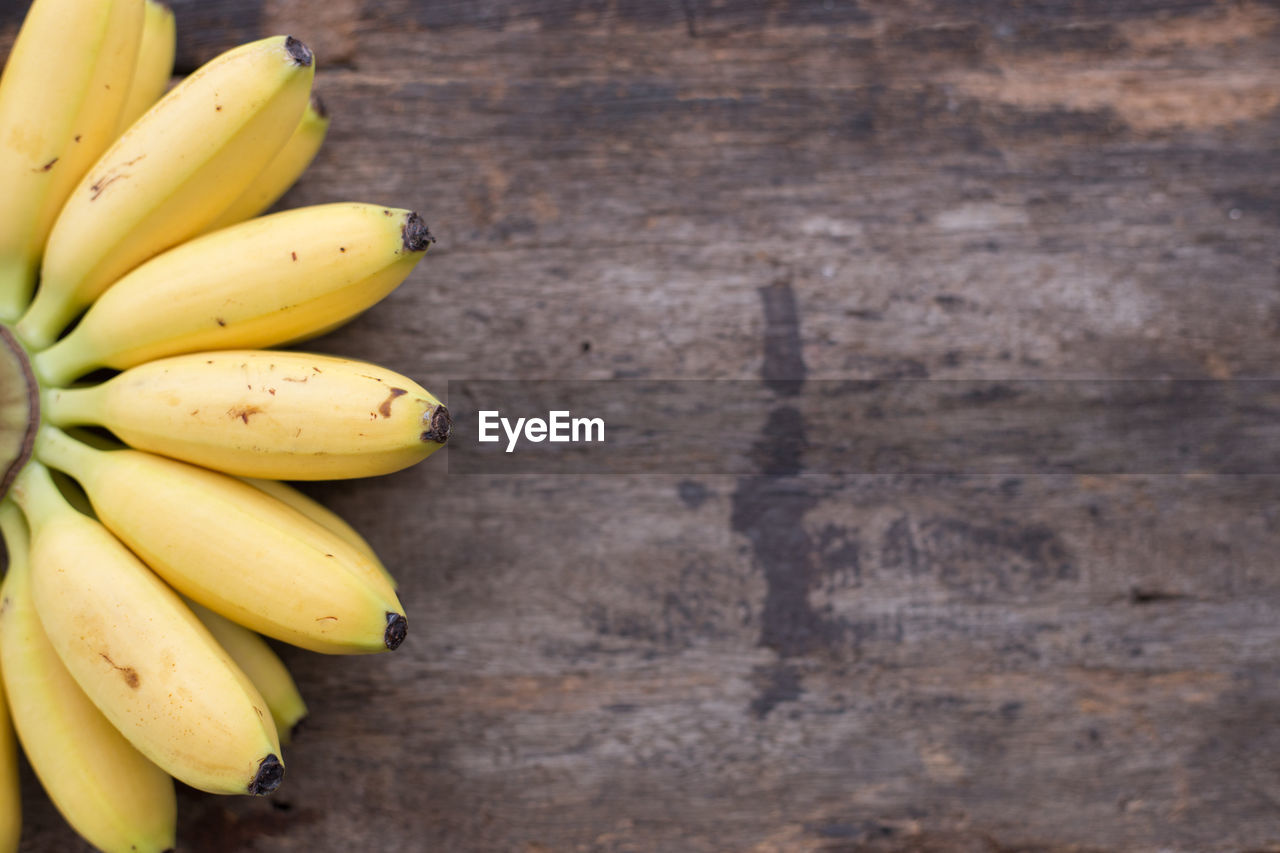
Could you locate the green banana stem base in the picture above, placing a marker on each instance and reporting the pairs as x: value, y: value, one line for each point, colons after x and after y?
x: 19, y: 408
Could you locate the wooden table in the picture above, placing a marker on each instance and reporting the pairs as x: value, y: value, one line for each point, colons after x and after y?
x: 822, y: 190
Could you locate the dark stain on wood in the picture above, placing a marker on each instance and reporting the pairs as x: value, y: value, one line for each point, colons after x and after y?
x: 784, y: 368
x: 777, y: 683
x: 769, y: 510
x: 692, y: 493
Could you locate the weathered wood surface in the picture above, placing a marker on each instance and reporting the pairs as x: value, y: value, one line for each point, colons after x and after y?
x: 798, y: 188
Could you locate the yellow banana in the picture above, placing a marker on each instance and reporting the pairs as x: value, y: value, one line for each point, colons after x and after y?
x: 171, y: 173
x: 257, y: 561
x: 282, y: 172
x: 140, y: 654
x: 109, y: 793
x: 155, y: 63
x: 257, y: 284
x: 255, y: 413
x: 10, y: 794
x: 263, y: 666
x: 60, y: 99
x: 323, y: 516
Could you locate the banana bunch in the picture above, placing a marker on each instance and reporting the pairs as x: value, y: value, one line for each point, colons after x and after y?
x: 148, y: 416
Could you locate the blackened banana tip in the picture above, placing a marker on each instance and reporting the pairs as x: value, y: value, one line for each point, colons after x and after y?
x: 397, y: 627
x: 317, y: 104
x: 270, y: 772
x: 416, y: 236
x: 439, y: 426
x: 298, y: 52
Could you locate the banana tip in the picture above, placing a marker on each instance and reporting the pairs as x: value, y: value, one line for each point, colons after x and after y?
x: 416, y: 235
x: 439, y: 425
x: 267, y: 779
x: 317, y: 105
x: 298, y: 52
x: 397, y: 627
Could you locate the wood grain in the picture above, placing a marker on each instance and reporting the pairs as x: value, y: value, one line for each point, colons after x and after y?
x: 798, y: 190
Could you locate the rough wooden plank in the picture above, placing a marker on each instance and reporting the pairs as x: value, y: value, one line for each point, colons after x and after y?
x: 207, y: 29
x: 821, y: 190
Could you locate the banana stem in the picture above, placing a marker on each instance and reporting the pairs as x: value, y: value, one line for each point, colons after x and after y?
x: 35, y: 491
x: 60, y: 363
x: 58, y: 450
x: 70, y: 406
x: 17, y: 283
x: 45, y: 318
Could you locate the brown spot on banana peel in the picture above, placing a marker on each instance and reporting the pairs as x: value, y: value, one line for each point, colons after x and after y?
x: 99, y: 186
x: 47, y: 166
x: 242, y: 412
x: 128, y: 673
x: 439, y: 425
x: 415, y: 234
x: 267, y: 779
x: 385, y: 408
x: 397, y: 628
